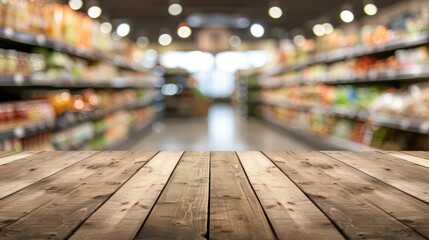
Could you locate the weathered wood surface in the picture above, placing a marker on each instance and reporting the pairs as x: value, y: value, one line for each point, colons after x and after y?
x: 214, y: 195
x: 181, y: 210
x: 235, y: 212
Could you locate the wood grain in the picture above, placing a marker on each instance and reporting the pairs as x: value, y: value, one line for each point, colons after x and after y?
x: 217, y: 195
x: 15, y: 156
x: 291, y: 213
x: 182, y: 209
x: 405, y: 208
x: 20, y: 174
x: 410, y: 158
x: 403, y: 175
x: 235, y: 212
x: 60, y: 217
x: 7, y: 153
x: 128, y: 208
x: 54, y: 186
x: 421, y: 154
x: 355, y: 216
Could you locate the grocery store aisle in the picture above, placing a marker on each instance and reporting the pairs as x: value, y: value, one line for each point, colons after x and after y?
x: 224, y: 129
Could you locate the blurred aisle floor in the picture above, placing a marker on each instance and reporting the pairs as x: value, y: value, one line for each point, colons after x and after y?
x: 223, y: 130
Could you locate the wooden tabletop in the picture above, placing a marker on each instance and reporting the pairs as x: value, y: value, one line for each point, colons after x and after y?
x: 214, y: 195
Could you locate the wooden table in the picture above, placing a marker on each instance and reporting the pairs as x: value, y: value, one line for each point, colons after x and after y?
x: 216, y: 195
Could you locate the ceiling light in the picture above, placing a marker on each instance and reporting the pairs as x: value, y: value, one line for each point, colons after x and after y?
x: 347, y: 16
x: 106, y: 27
x: 257, y: 30
x: 142, y: 42
x: 123, y: 29
x: 328, y: 28
x: 275, y: 12
x: 75, y: 4
x: 370, y: 9
x: 234, y: 41
x: 94, y: 11
x: 165, y: 39
x: 319, y: 30
x: 184, y: 31
x: 175, y: 9
x: 299, y: 40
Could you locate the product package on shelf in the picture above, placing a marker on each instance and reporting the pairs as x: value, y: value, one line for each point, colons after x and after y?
x: 333, y: 130
x: 48, y: 67
x: 64, y: 28
x: 72, y: 119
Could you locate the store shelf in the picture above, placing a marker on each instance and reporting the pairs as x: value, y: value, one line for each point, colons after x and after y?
x: 323, y: 143
x: 80, y: 118
x: 135, y: 133
x: 20, y: 80
x: 30, y: 129
x: 418, y: 73
x: 26, y: 129
x: 352, y: 52
x: 386, y: 120
x: 41, y: 40
x: 362, y: 50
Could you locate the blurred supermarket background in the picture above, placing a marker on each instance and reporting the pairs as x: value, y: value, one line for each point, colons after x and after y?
x: 214, y: 75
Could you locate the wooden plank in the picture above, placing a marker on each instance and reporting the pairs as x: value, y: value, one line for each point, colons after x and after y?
x: 182, y: 209
x: 356, y: 217
x: 122, y: 216
x: 6, y: 153
x: 20, y: 174
x: 54, y: 186
x: 421, y: 154
x: 407, y: 209
x: 410, y: 158
x: 59, y: 218
x: 291, y: 213
x: 13, y: 157
x: 235, y: 212
x: 403, y: 175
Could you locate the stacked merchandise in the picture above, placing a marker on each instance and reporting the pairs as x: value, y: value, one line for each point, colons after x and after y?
x: 51, y: 61
x: 369, y: 39
x: 356, y: 113
x: 58, y: 24
x: 63, y: 120
x: 248, y: 95
x: 367, y: 87
x: 404, y: 64
x: 46, y: 67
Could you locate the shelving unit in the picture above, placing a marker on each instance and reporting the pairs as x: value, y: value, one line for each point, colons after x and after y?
x: 398, y: 122
x: 352, y: 52
x: 40, y: 40
x: 389, y: 76
x: 136, y: 133
x: 324, y: 88
x: 247, y: 92
x: 318, y: 141
x: 19, y: 80
x: 23, y: 41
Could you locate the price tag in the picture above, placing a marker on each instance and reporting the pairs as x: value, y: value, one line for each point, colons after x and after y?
x: 19, y: 132
x: 18, y: 78
x: 41, y: 39
x: 9, y: 32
